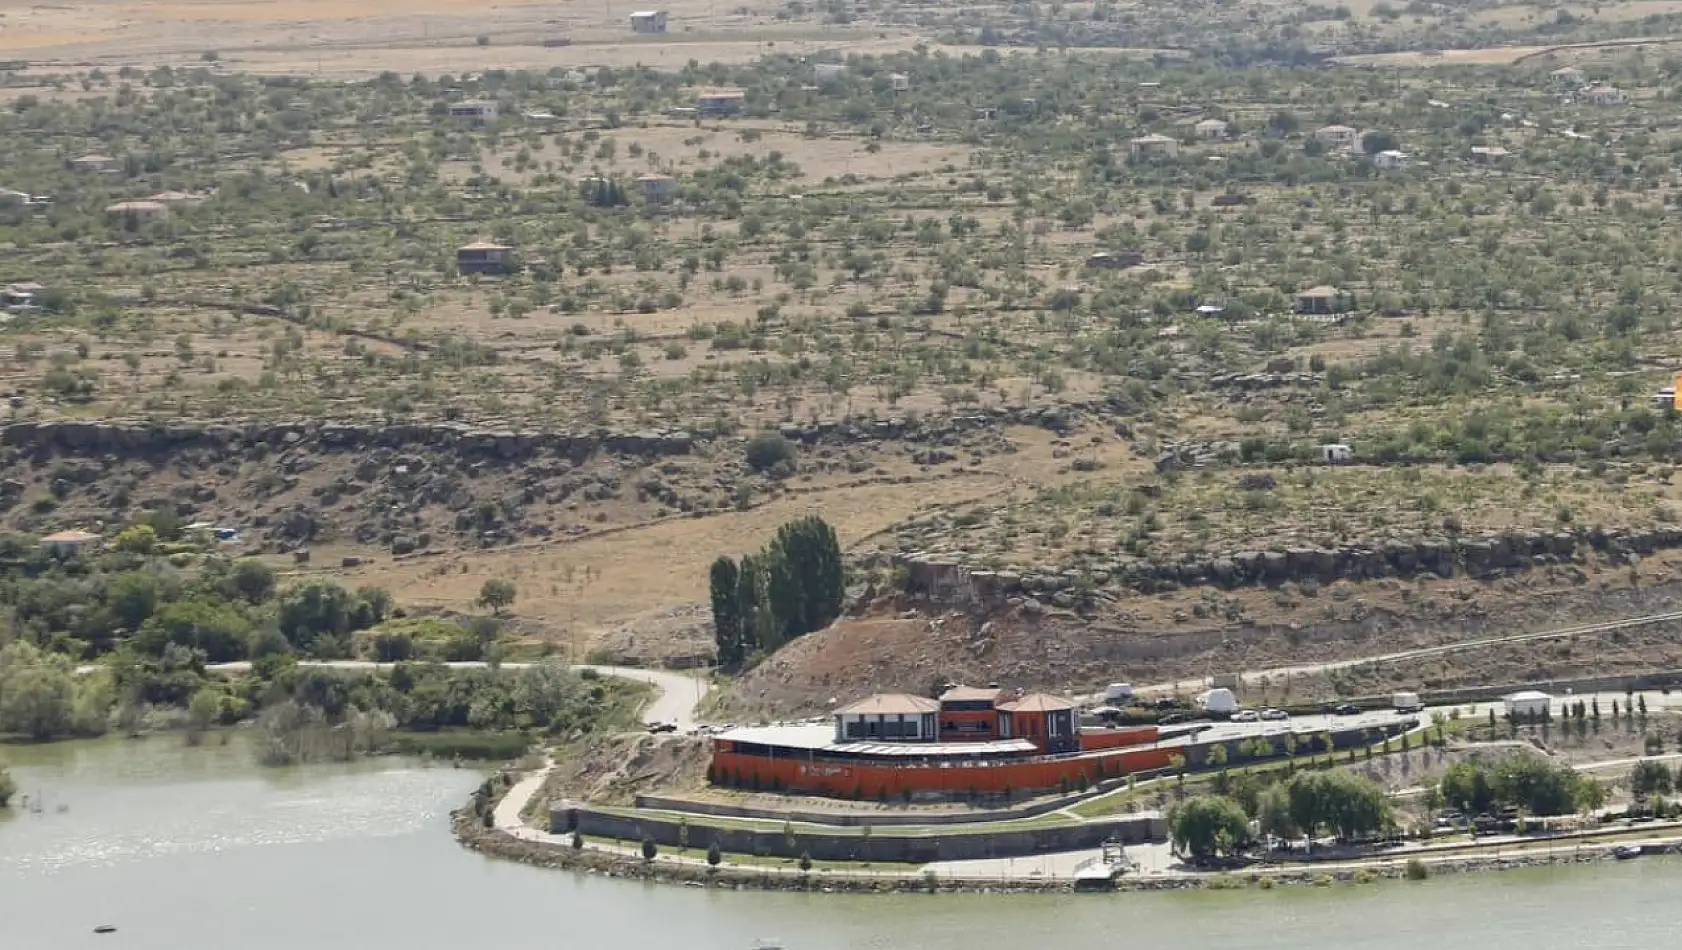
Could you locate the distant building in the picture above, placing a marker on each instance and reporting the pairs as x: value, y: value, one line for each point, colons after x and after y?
x: 1323, y: 300
x: 1229, y: 199
x: 94, y: 164
x: 648, y: 21
x: 1336, y: 453
x: 1390, y: 159
x: 1488, y: 154
x: 888, y: 716
x: 1115, y: 260
x: 720, y: 102
x: 21, y: 296
x: 657, y: 188
x: 1529, y: 704
x: 1568, y: 76
x: 69, y: 543
x: 477, y: 111
x: 900, y: 82
x: 483, y: 257
x: 1154, y: 146
x: 1046, y: 721
x: 1603, y: 94
x: 141, y: 210
x: 1337, y: 136
x: 1211, y: 129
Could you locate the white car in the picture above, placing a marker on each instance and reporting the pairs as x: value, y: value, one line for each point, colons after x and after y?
x: 1246, y: 715
x: 1275, y: 715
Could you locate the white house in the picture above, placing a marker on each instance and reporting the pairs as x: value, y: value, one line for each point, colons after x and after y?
x: 1337, y: 136
x: 887, y: 716
x: 648, y: 21
x: 1153, y: 146
x: 1603, y: 94
x: 474, y: 110
x: 140, y: 210
x: 900, y: 82
x: 1389, y: 159
x: 1336, y: 453
x: 96, y: 164
x: 657, y: 188
x: 1568, y: 76
x: 1529, y: 704
x: 1211, y: 129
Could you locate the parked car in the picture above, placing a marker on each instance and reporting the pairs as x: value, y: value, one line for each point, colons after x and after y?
x: 659, y: 727
x: 1172, y: 719
x: 1275, y: 715
x: 1246, y: 715
x: 1347, y: 709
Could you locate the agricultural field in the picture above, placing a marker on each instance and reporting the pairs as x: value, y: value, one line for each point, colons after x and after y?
x: 1031, y: 289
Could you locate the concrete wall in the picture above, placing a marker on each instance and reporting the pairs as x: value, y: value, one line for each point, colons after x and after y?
x: 568, y: 817
x: 878, y: 819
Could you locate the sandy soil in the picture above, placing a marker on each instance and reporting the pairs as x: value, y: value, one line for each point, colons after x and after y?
x: 348, y: 40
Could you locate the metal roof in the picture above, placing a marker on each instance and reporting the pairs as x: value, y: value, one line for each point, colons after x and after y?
x: 890, y: 704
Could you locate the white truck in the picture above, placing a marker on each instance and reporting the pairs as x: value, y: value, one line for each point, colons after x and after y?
x: 1219, y: 700
x: 1118, y: 694
x: 1407, y: 703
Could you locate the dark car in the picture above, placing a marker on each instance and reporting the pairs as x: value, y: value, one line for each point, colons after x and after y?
x: 658, y: 727
x: 1172, y: 719
x: 1347, y: 709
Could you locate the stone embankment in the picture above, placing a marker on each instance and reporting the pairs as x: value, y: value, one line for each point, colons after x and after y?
x: 143, y: 438
x: 946, y: 581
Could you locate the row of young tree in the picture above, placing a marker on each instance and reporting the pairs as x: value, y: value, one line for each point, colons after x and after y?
x: 1309, y: 804
x: 793, y: 586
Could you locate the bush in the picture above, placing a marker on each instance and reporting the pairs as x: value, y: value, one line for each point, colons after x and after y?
x: 768, y: 450
x: 1416, y: 870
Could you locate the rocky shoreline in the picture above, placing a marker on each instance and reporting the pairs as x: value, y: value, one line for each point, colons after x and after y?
x: 469, y: 826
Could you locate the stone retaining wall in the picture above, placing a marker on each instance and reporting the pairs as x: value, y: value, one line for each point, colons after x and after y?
x: 946, y: 581
x: 567, y: 817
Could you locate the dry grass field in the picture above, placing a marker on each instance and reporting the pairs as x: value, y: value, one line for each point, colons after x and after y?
x: 909, y: 242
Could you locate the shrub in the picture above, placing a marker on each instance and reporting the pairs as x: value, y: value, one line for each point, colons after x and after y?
x: 768, y: 450
x: 1416, y: 870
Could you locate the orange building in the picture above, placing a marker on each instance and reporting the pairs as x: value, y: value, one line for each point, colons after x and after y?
x: 971, y: 741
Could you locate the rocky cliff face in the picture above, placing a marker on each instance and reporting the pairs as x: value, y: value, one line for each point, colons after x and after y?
x: 946, y: 582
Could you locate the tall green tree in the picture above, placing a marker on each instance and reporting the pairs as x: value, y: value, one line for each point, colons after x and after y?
x: 1209, y: 825
x: 813, y: 555
x: 723, y: 581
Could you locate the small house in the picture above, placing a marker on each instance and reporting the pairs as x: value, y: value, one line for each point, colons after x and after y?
x: 657, y: 188
x: 1046, y: 721
x: 138, y: 210
x: 887, y: 717
x: 1153, y: 146
x: 1211, y: 129
x: 1569, y: 76
x: 1323, y: 300
x: 94, y: 164
x: 648, y: 21
x: 69, y: 543
x: 475, y: 111
x: 1528, y: 704
x: 1390, y: 159
x: 720, y: 102
x: 1337, y: 136
x: 1336, y: 453
x: 484, y: 257
x: 900, y: 82
x: 1604, y: 94
x: 1115, y: 260
x: 21, y: 296
x: 1488, y: 154
x: 985, y: 114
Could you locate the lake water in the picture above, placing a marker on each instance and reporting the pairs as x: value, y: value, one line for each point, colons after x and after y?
x: 198, y: 849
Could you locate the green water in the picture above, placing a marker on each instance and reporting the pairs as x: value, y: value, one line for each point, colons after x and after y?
x: 184, y: 849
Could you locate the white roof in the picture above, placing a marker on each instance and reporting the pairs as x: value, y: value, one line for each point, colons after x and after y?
x: 1528, y: 695
x: 643, y: 13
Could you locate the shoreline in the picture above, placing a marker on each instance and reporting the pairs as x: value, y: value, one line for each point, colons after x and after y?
x: 474, y: 828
